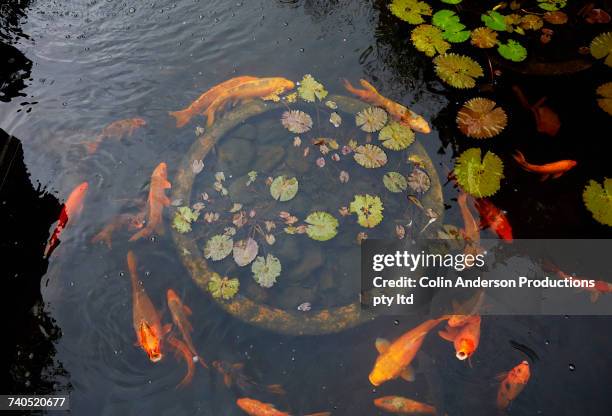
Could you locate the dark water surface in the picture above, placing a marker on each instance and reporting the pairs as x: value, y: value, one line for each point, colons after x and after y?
x: 94, y: 62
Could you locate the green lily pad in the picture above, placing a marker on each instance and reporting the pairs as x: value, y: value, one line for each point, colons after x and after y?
x: 218, y: 247
x: 183, y: 217
x: 411, y: 11
x: 428, y: 39
x: 266, y: 270
x: 598, y: 200
x: 552, y: 5
x: 396, y: 136
x: 368, y: 209
x: 480, y: 178
x: 310, y: 89
x: 395, y: 182
x: 512, y: 51
x: 494, y: 20
x: 223, y: 288
x: 283, y: 189
x: 448, y: 21
x: 322, y: 226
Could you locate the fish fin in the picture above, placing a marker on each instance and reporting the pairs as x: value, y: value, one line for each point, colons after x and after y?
x: 187, y: 310
x: 382, y: 345
x: 275, y: 389
x: 520, y: 159
x: 182, y: 117
x: 408, y: 374
x: 557, y: 175
x: 238, y: 366
x: 104, y: 237
x: 167, y: 184
x: 594, y: 296
x: 448, y: 334
x: 544, y: 177
x: 501, y: 376
x: 166, y: 329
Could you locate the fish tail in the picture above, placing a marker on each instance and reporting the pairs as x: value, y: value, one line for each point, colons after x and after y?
x: 520, y: 159
x: 367, y: 85
x: 104, y: 236
x: 348, y: 86
x: 182, y: 117
x: 521, y: 97
x: 91, y: 147
x: 276, y: 389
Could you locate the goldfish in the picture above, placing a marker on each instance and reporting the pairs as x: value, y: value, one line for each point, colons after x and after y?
x: 495, y: 218
x: 547, y: 121
x: 256, y: 408
x: 233, y: 374
x: 394, y: 358
x: 512, y: 384
x: 402, y: 114
x: 70, y: 210
x: 146, y: 320
x: 600, y: 287
x: 264, y: 88
x: 180, y: 312
x: 554, y: 169
x: 403, y: 406
x: 156, y: 202
x: 182, y: 349
x: 200, y: 105
x: 131, y: 221
x: 465, y: 338
x: 117, y: 129
x: 471, y: 230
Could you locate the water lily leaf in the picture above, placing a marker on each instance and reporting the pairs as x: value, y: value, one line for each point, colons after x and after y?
x: 396, y: 136
x: 458, y: 71
x: 322, y: 226
x: 296, y: 121
x: 223, y: 288
x: 531, y: 22
x: 370, y: 156
x: 598, y: 200
x: 458, y: 36
x: 368, y: 209
x: 183, y: 217
x: 395, y: 182
x: 419, y: 181
x: 483, y: 37
x: 601, y: 47
x: 452, y: 1
x: 218, y: 247
x: 480, y: 119
x: 512, y: 51
x: 283, y: 188
x: 605, y: 91
x: 266, y: 270
x: 245, y: 251
x: 310, y: 89
x: 252, y: 176
x: 411, y: 11
x: 552, y: 5
x: 371, y: 119
x: 494, y: 20
x: 448, y: 21
x: 479, y: 178
x: 556, y: 17
x: 428, y: 39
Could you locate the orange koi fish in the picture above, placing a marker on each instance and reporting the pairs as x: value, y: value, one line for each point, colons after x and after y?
x: 117, y: 129
x: 394, y: 358
x: 156, y: 202
x: 512, y: 384
x: 403, y: 406
x: 264, y: 88
x: 600, y: 287
x: 547, y: 121
x: 147, y: 323
x: 465, y: 338
x: 495, y: 218
x: 402, y: 114
x: 256, y: 408
x: 180, y: 312
x: 131, y: 221
x: 182, y: 349
x: 471, y: 229
x: 233, y: 374
x: 200, y: 105
x: 70, y: 210
x: 554, y: 169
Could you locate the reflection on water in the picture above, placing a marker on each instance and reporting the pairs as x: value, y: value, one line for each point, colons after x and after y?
x: 98, y: 62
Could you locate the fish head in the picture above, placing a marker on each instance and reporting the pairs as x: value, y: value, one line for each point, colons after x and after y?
x: 465, y: 348
x: 139, y: 122
x: 172, y: 296
x: 161, y: 170
x: 150, y: 342
x: 285, y: 84
x: 416, y: 122
x: 520, y: 374
x: 251, y: 406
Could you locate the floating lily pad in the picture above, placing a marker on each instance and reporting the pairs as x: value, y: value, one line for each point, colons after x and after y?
x: 601, y: 47
x: 605, y: 91
x: 368, y: 209
x: 245, y: 251
x: 183, y: 217
x: 266, y: 270
x: 479, y: 178
x: 370, y: 156
x: 411, y: 11
x: 322, y: 226
x: 552, y: 5
x: 218, y: 247
x: 396, y: 136
x: 223, y: 288
x: 296, y: 121
x: 448, y: 21
x: 531, y: 22
x: 395, y: 182
x: 283, y: 189
x: 479, y: 118
x: 310, y: 89
x: 419, y: 181
x: 458, y: 71
x: 371, y: 119
x: 598, y: 200
x: 428, y: 39
x: 512, y: 51
x: 494, y: 20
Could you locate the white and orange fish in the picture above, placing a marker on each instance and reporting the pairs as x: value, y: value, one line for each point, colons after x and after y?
x: 512, y: 384
x: 156, y: 202
x: 403, y: 406
x: 465, y: 337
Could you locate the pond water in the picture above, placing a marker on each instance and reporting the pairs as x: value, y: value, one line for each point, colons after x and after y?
x: 97, y: 61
